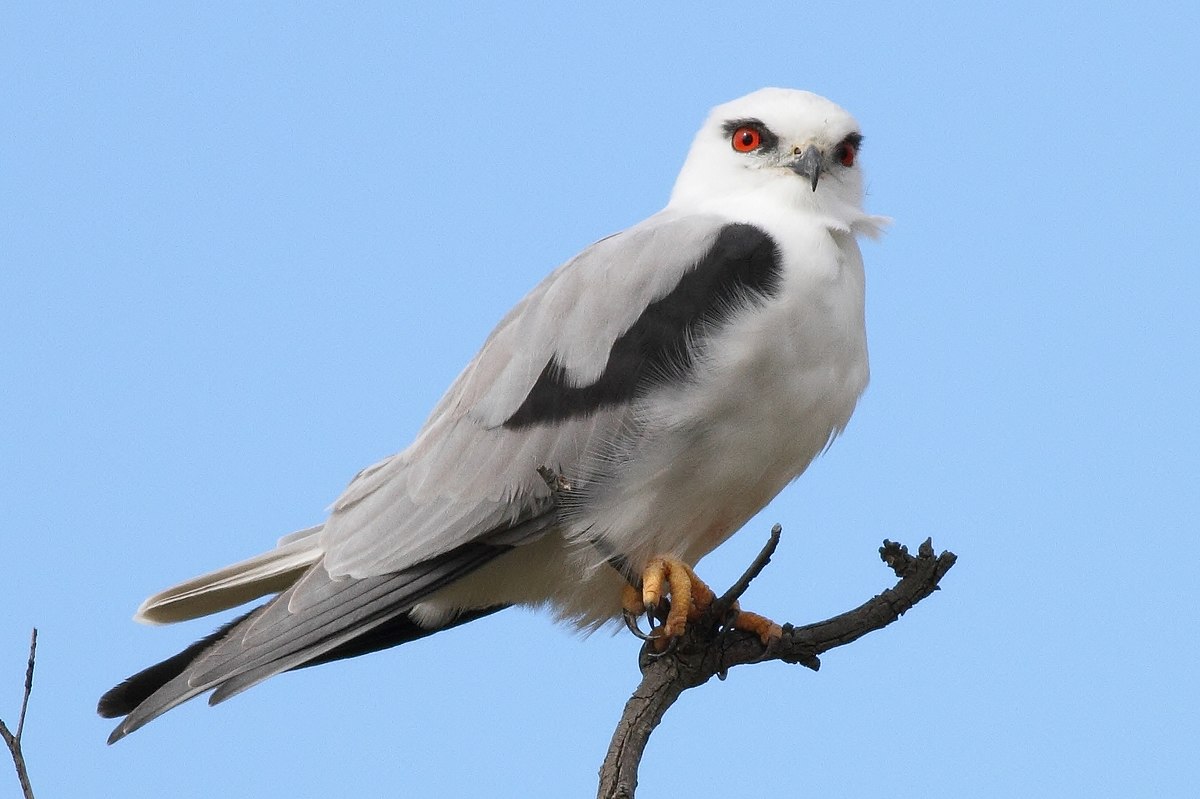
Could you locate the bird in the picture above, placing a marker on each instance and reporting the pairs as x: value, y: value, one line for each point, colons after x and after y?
x: 624, y: 419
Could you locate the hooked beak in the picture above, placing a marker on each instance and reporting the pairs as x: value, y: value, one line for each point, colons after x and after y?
x: 808, y: 164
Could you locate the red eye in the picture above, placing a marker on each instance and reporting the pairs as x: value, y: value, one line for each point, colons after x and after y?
x: 847, y: 153
x: 746, y: 139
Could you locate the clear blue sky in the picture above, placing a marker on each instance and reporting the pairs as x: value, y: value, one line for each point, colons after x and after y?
x: 243, y: 251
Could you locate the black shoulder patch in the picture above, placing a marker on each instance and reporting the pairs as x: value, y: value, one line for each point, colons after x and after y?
x: 743, y: 261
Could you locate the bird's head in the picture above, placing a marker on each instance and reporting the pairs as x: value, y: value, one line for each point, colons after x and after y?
x: 775, y: 146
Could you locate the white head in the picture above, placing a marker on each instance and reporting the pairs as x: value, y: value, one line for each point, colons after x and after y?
x: 778, y: 146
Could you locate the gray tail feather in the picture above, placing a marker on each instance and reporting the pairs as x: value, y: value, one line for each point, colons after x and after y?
x: 316, y: 620
x: 122, y: 699
x: 339, y: 619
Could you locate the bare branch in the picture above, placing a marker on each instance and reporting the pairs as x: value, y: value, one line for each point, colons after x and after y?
x: 753, y: 570
x: 28, y: 682
x: 708, y: 650
x: 13, y: 740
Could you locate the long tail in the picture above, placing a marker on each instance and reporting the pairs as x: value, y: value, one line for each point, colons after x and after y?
x: 315, y: 619
x: 133, y: 691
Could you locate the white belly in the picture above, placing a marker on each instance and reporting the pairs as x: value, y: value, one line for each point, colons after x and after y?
x: 780, y: 381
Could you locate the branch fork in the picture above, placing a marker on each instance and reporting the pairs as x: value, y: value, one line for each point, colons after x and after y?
x: 709, y: 649
x: 13, y: 739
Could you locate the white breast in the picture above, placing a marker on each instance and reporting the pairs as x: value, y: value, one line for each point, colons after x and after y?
x: 776, y: 384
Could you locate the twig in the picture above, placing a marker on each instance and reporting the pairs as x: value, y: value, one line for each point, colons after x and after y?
x: 708, y: 650
x: 753, y: 570
x: 13, y: 741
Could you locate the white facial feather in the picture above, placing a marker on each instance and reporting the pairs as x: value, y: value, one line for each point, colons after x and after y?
x: 715, y: 173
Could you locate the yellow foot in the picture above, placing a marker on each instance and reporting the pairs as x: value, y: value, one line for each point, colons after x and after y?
x: 767, y: 631
x: 690, y: 599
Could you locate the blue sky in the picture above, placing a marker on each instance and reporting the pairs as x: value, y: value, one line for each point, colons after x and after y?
x: 243, y: 250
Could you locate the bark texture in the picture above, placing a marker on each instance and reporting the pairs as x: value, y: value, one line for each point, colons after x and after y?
x: 708, y: 649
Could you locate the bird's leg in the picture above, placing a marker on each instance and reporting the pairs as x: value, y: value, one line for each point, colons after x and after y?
x: 690, y: 599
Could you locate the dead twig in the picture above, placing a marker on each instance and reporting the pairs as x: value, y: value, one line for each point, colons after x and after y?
x: 13, y: 740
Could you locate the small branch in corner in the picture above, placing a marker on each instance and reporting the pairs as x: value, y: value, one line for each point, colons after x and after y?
x: 13, y: 739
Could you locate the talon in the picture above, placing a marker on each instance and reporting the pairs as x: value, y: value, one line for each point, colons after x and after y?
x: 661, y: 645
x: 632, y: 624
x: 632, y: 608
x: 689, y: 597
x: 689, y: 600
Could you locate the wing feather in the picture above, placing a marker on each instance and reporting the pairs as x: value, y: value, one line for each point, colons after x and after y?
x: 559, y: 383
x: 465, y: 472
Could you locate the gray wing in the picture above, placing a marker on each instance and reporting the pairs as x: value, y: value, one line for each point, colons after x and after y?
x: 471, y: 469
x: 552, y: 386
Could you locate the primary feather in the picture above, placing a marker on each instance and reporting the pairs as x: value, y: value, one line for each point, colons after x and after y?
x: 678, y: 374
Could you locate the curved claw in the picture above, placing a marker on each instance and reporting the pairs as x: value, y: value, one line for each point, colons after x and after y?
x: 632, y: 623
x: 668, y: 649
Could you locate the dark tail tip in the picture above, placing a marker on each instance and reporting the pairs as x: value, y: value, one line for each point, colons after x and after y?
x: 122, y: 699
